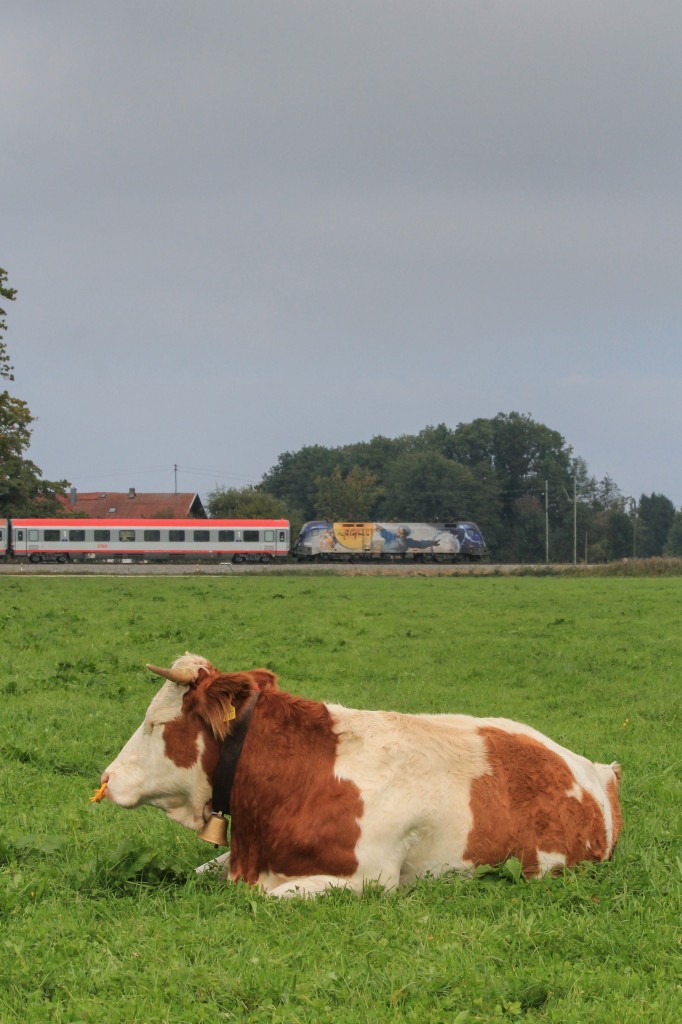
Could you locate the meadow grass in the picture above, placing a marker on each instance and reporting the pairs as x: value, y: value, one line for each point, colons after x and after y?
x: 102, y: 918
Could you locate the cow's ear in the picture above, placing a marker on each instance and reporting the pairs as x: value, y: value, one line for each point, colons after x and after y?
x: 214, y: 699
x: 264, y: 679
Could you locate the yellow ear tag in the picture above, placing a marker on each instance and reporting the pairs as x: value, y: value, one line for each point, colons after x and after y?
x: 231, y: 713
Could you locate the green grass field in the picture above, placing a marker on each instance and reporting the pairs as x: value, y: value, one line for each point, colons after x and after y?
x: 103, y: 919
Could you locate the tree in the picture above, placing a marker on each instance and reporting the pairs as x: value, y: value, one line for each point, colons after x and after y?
x: 22, y: 489
x: 425, y: 485
x: 520, y: 459
x: 374, y: 455
x: 656, y: 515
x: 529, y: 539
x: 10, y: 295
x: 597, y: 501
x: 245, y: 503
x: 350, y: 497
x: 620, y: 535
x: 293, y: 477
x: 440, y: 438
x: 673, y: 546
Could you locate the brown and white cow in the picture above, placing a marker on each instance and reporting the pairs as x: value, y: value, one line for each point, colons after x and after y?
x: 325, y: 795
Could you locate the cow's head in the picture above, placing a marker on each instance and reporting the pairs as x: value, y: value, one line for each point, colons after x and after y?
x: 170, y: 760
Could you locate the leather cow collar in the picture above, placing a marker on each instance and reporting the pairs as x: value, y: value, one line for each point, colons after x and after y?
x: 223, y: 778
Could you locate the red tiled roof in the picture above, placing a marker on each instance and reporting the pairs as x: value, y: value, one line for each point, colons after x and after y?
x: 124, y: 504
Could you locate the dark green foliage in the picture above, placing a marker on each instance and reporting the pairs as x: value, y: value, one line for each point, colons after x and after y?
x: 246, y: 503
x: 673, y: 544
x: 426, y: 485
x: 656, y: 514
x: 620, y: 535
x: 353, y: 494
x: 293, y: 477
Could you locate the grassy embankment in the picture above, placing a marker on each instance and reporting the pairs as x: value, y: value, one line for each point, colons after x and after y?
x: 102, y: 918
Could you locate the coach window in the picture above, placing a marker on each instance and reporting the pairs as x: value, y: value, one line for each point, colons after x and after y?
x: 282, y: 536
x: 176, y: 535
x: 33, y: 535
x: 152, y: 536
x: 251, y: 536
x: 226, y: 536
x: 202, y: 535
x: 102, y: 534
x: 76, y: 535
x: 269, y: 536
x: 126, y: 536
x: 51, y: 535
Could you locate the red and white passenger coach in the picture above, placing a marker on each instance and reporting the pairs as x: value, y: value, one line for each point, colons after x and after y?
x: 68, y: 540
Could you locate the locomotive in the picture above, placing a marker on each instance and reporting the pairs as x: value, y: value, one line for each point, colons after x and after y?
x: 235, y: 540
x: 439, y: 542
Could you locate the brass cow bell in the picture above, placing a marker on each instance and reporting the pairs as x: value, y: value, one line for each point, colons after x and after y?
x: 215, y: 830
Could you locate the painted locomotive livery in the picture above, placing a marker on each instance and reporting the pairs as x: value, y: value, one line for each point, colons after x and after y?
x: 444, y: 542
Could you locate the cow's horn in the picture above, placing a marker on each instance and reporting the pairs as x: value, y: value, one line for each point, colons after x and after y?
x: 176, y: 675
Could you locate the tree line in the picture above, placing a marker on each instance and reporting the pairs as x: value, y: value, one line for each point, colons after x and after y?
x: 517, y: 479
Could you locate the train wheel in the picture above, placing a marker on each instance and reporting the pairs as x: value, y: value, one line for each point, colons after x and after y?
x: 238, y: 559
x: 35, y: 558
x: 265, y: 559
x: 62, y: 559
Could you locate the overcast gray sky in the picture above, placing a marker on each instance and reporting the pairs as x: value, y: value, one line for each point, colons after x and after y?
x: 237, y: 228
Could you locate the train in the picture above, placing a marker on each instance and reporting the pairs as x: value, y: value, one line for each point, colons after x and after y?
x: 236, y: 540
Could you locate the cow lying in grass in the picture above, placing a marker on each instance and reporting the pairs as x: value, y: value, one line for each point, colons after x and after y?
x: 322, y: 795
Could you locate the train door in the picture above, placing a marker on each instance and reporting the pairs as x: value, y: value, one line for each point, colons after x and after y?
x: 274, y: 542
x: 19, y: 541
x: 269, y: 545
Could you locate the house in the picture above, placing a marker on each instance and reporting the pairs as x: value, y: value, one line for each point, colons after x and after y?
x: 132, y: 505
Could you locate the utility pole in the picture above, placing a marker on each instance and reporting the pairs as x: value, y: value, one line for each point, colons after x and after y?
x: 575, y: 520
x: 546, y: 524
x: 633, y: 510
x: 175, y: 471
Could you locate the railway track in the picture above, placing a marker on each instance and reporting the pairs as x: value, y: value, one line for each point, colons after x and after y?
x: 289, y: 568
